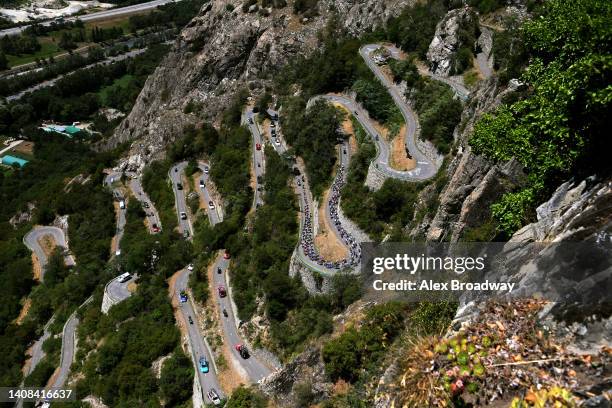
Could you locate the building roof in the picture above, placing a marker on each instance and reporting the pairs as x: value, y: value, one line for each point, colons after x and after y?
x: 10, y: 160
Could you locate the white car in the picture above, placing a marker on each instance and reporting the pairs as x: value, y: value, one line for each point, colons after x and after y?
x: 211, y: 205
x: 190, y: 267
x: 214, y: 397
x: 277, y: 142
x: 118, y: 252
x: 206, y: 169
x: 183, y: 215
x: 201, y: 183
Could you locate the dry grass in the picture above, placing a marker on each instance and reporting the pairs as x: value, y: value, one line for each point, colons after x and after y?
x: 24, y: 311
x: 24, y: 147
x: 399, y: 159
x: 196, y: 182
x: 47, y: 243
x: 36, y: 267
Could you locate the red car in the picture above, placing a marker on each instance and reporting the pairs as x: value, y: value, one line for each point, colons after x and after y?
x: 258, y: 146
x: 242, y: 350
x: 155, y: 228
x: 226, y: 255
x: 222, y: 291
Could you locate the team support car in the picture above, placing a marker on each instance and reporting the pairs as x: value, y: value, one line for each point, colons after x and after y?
x: 201, y: 183
x: 242, y: 350
x: 257, y: 146
x: 190, y: 267
x: 226, y: 255
x: 179, y: 186
x: 214, y: 397
x: 211, y: 205
x: 155, y: 228
x: 222, y: 291
x: 203, y: 365
x: 183, y: 215
x: 183, y: 296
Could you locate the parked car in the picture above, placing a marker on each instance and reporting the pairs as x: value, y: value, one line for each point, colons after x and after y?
x: 183, y: 215
x: 242, y: 350
x: 214, y: 397
x: 124, y: 277
x: 203, y: 365
x: 222, y: 291
x: 190, y: 319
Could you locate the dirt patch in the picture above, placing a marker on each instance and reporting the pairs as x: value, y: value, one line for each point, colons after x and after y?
x: 36, y: 268
x: 24, y: 147
x: 382, y: 130
x: 132, y: 286
x: 47, y: 243
x: 399, y: 159
x: 196, y: 182
x: 24, y: 311
x: 329, y: 245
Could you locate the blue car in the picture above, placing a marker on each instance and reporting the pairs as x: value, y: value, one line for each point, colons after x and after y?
x: 203, y: 365
x: 183, y: 297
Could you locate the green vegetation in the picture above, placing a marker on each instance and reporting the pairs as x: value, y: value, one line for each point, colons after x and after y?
x: 558, y: 130
x: 509, y: 56
x: 373, y: 210
x: 313, y: 134
x: 414, y: 28
x: 91, y: 225
x: 379, y: 104
x: 439, y: 112
x: 306, y: 8
x: 356, y: 349
x: 74, y: 96
x: 176, y: 381
x: 244, y: 397
x: 167, y: 15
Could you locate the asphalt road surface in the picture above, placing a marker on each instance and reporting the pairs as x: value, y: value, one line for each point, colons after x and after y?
x: 250, y: 120
x: 100, y: 15
x: 196, y: 341
x: 253, y: 367
x: 180, y: 203
x: 214, y: 212
x: 112, y: 180
x: 31, y: 241
x: 152, y: 214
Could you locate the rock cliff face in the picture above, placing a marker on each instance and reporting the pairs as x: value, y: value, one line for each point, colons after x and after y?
x: 223, y: 50
x: 446, y: 41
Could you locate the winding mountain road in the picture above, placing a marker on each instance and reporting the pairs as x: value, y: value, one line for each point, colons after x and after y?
x: 32, y: 238
x: 197, y: 343
x: 259, y: 164
x: 180, y: 202
x: 152, y: 215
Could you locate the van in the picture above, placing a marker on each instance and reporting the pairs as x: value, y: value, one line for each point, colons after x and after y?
x: 124, y: 277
